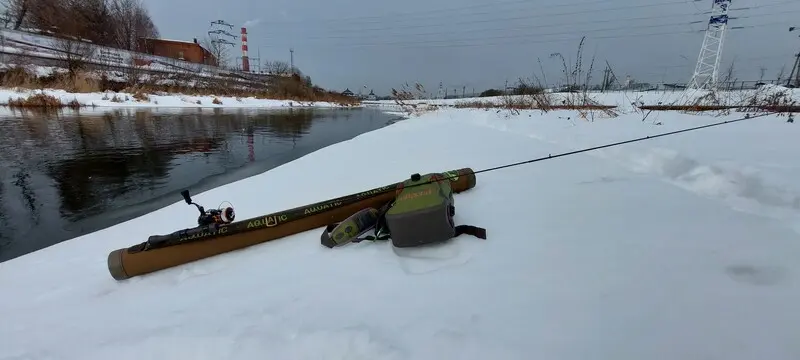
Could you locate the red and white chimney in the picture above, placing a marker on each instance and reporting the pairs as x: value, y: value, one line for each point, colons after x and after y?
x: 245, y: 59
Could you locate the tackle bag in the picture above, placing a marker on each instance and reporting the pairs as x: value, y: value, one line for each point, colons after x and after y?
x: 421, y: 213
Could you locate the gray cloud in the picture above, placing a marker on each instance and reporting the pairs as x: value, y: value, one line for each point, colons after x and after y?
x: 473, y: 44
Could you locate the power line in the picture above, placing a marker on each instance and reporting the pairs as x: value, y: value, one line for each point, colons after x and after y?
x: 434, y: 43
x: 683, y: 23
x: 411, y: 15
x: 359, y: 28
x: 505, y: 19
x: 459, y: 31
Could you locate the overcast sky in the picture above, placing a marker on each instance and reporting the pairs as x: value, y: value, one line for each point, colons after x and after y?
x: 481, y: 44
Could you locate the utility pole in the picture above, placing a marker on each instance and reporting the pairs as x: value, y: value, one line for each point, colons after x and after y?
x: 795, y: 75
x: 291, y: 59
x: 258, y: 61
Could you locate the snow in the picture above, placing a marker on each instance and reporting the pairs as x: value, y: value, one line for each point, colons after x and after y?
x: 624, y: 100
x: 680, y: 247
x: 123, y: 99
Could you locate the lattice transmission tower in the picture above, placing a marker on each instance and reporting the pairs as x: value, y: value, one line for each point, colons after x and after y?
x: 706, y: 72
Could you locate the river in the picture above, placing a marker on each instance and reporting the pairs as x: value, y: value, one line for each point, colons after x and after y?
x: 68, y: 173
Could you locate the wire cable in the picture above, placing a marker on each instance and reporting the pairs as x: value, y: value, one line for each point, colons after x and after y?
x: 644, y: 138
x: 574, y: 152
x: 402, y: 16
x: 437, y: 44
x: 574, y: 31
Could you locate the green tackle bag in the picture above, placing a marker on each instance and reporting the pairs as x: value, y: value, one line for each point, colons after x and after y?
x: 421, y: 213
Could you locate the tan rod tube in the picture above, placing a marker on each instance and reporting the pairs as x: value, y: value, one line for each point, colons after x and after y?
x: 135, y: 260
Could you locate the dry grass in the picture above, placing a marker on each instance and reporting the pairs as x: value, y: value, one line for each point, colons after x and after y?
x: 544, y: 102
x: 42, y: 101
x: 282, y: 89
x: 761, y: 100
x: 19, y: 77
x: 407, y: 95
x: 293, y: 88
x: 38, y: 100
x: 80, y: 83
x: 140, y: 95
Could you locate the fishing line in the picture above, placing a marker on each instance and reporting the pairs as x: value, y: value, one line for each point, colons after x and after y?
x: 649, y: 137
x: 551, y: 156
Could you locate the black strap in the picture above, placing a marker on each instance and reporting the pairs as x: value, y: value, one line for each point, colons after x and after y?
x: 471, y: 230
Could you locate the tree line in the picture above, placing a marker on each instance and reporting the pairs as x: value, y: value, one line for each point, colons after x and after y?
x: 113, y: 23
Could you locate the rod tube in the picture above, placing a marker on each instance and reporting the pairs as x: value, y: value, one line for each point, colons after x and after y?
x: 184, y: 246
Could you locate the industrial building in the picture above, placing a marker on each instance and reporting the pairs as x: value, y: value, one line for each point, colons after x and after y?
x: 190, y: 51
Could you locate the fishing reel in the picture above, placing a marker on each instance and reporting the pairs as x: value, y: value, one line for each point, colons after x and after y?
x: 220, y: 216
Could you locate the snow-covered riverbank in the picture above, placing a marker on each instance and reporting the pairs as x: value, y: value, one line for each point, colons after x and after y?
x: 121, y: 99
x: 678, y: 247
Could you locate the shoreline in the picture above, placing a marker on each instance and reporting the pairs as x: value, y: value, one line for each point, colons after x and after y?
x: 110, y: 99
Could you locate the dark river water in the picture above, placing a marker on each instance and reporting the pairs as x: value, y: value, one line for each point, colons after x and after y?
x: 64, y: 174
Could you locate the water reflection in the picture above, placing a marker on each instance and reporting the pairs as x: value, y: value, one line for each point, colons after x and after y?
x: 65, y: 173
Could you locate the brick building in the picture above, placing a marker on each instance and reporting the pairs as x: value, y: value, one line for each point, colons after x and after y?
x: 190, y: 51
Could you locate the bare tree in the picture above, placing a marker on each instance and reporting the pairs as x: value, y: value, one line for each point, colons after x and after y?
x: 99, y: 24
x: 74, y: 53
x: 72, y: 47
x: 131, y: 23
x: 124, y: 17
x: 218, y: 50
x: 116, y: 23
x: 143, y: 24
x: 17, y: 11
x: 278, y: 67
x: 48, y: 15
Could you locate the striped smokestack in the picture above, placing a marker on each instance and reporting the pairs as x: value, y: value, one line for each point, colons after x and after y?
x: 245, y: 60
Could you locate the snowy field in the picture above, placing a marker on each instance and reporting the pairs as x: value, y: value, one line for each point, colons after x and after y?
x: 681, y: 247
x: 107, y: 99
x: 624, y: 100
